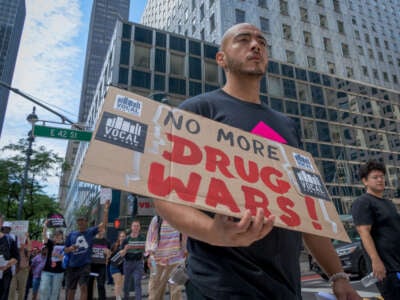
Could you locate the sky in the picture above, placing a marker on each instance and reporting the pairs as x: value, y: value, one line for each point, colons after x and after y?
x: 49, y: 67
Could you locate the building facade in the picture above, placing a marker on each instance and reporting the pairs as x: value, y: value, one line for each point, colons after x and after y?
x: 343, y: 122
x: 103, y: 18
x: 12, y: 18
x: 102, y: 22
x: 357, y: 39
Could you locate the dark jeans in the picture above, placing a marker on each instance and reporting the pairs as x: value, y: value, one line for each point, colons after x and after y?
x: 390, y: 287
x: 101, y: 280
x: 133, y: 268
x: 5, y: 285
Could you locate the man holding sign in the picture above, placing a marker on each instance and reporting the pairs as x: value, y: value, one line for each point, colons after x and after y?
x: 247, y: 258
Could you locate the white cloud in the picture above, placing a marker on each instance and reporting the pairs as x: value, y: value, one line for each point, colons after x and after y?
x: 49, y: 67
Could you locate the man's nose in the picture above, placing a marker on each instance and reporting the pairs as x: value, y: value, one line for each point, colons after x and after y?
x: 255, y: 45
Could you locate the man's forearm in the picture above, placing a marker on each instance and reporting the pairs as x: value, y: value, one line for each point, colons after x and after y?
x: 369, y: 245
x: 324, y: 252
x: 185, y: 219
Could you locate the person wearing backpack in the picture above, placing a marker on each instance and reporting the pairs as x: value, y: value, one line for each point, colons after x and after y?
x: 9, y: 257
x: 166, y: 248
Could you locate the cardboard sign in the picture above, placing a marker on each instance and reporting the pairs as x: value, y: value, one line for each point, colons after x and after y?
x: 145, y: 207
x: 151, y: 149
x: 55, y: 220
x: 105, y: 195
x: 19, y: 229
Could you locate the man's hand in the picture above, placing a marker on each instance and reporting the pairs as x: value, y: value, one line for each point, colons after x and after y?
x: 344, y: 291
x: 378, y: 269
x: 229, y: 233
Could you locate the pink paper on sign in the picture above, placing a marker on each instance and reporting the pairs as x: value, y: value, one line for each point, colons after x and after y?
x: 267, y: 132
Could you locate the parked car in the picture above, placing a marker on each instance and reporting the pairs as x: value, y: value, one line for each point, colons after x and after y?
x: 351, y: 254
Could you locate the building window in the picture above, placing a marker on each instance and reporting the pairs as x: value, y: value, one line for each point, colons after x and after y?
x: 264, y: 24
x: 357, y: 34
x: 240, y: 16
x: 386, y: 43
x: 284, y: 7
x: 365, y: 71
x: 370, y: 53
x: 303, y: 14
x: 212, y: 23
x: 319, y: 2
x: 211, y: 2
x: 307, y: 38
x: 177, y: 64
x: 366, y: 35
x: 340, y: 27
x: 262, y: 3
x: 322, y: 21
x: 142, y: 57
x: 327, y: 44
x: 345, y: 50
x: 380, y: 56
x: 390, y: 59
x: 331, y: 67
x: 395, y: 80
x: 193, y: 4
x: 385, y: 76
x: 336, y: 6
x: 202, y: 34
x: 287, y: 32
x: 375, y: 72
x: 349, y: 72
x: 377, y: 42
x: 360, y: 50
x: 311, y: 62
x: 290, y: 57
x: 201, y: 11
x: 210, y: 72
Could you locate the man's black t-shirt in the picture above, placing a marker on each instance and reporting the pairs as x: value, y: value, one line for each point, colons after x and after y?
x: 384, y: 219
x: 98, y: 250
x: 269, y: 268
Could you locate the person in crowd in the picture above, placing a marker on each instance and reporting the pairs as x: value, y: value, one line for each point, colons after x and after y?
x: 53, y: 272
x: 20, y: 279
x: 132, y: 251
x: 34, y: 252
x: 9, y: 257
x: 37, y: 266
x: 98, y: 268
x: 378, y: 223
x: 78, y: 246
x: 116, y: 267
x: 247, y: 258
x: 166, y: 247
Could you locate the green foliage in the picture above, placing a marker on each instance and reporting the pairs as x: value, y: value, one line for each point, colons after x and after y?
x: 43, y: 164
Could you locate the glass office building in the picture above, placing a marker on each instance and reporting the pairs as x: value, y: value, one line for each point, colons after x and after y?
x: 343, y: 123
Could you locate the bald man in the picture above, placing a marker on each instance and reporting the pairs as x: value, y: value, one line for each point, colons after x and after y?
x: 246, y: 258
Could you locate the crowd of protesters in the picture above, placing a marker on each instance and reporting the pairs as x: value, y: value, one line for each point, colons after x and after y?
x: 83, y: 257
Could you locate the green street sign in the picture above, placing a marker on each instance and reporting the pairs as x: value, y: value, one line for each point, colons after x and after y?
x: 61, y: 133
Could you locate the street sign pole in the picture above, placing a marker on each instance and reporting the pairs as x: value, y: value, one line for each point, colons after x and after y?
x: 61, y: 133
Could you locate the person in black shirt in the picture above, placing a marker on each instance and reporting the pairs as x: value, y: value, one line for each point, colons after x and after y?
x: 100, y: 255
x: 53, y: 272
x: 9, y: 257
x: 378, y: 223
x: 248, y: 258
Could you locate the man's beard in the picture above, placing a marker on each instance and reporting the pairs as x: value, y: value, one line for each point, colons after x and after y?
x: 234, y: 66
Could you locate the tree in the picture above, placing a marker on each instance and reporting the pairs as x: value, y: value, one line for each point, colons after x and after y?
x: 44, y: 163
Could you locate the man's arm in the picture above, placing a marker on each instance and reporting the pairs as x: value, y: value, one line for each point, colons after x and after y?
x: 103, y: 225
x: 220, y: 230
x: 44, y: 233
x: 369, y: 245
x: 322, y: 249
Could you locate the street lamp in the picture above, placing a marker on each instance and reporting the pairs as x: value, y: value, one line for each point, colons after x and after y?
x: 31, y: 118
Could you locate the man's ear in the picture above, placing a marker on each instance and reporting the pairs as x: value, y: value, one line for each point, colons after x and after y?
x: 220, y: 59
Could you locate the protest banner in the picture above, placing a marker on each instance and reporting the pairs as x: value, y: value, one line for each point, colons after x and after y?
x: 19, y: 229
x: 55, y: 220
x: 105, y: 195
x: 152, y: 149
